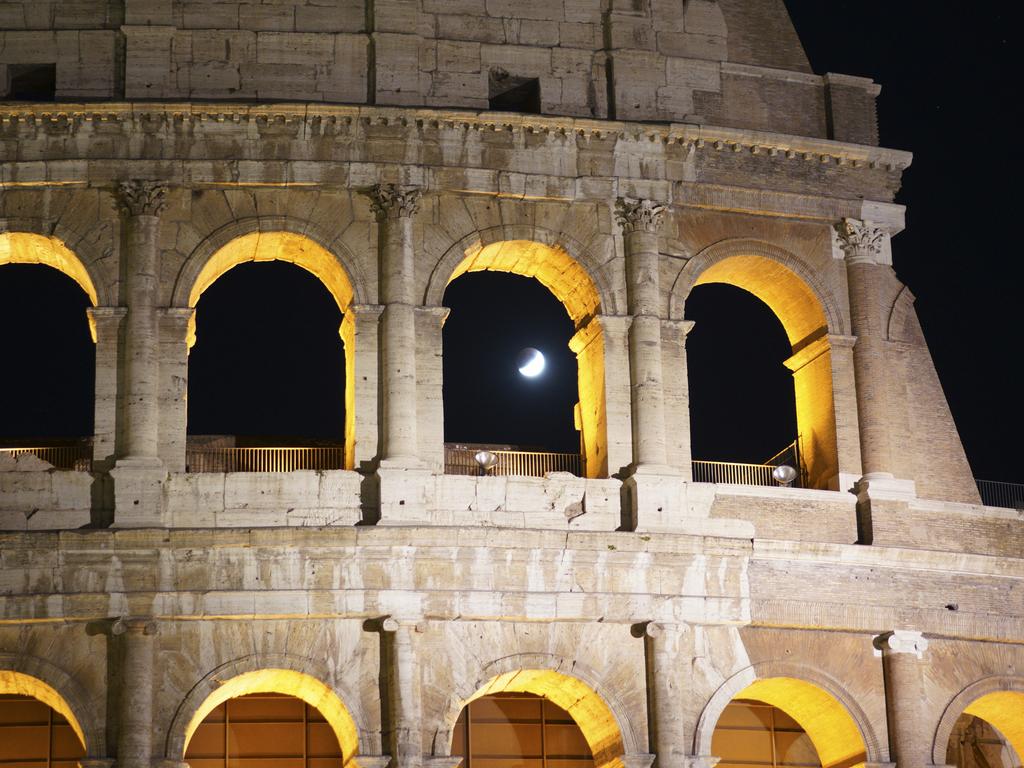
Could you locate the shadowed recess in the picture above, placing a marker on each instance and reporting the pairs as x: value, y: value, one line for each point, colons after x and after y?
x: 24, y: 685
x: 834, y: 733
x: 587, y: 708
x: 292, y: 683
x: 1005, y: 711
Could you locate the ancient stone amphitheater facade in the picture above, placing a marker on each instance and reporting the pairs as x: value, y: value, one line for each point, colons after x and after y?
x: 672, y: 143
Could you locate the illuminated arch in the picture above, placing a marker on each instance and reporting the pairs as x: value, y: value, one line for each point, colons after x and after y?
x: 812, y: 319
x: 599, y: 716
x: 549, y: 261
x: 57, y: 690
x: 998, y: 700
x: 246, y: 676
x: 31, y: 248
x: 837, y: 726
x: 277, y: 239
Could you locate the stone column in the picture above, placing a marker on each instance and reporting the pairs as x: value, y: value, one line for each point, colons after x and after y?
x: 430, y: 389
x: 902, y: 668
x: 141, y: 203
x: 862, y: 245
x: 663, y: 647
x: 134, y: 742
x: 177, y: 335
x: 640, y: 221
x: 395, y: 207
x: 677, y: 395
x: 105, y: 326
x: 404, y: 692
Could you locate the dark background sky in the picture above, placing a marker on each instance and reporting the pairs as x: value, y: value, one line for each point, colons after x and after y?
x: 268, y: 368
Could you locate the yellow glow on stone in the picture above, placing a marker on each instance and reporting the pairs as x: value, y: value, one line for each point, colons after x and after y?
x: 30, y: 248
x: 291, y: 683
x: 586, y: 707
x: 18, y: 684
x: 1005, y: 711
x: 831, y: 729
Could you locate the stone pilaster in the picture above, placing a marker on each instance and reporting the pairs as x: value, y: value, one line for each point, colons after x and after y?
x: 141, y: 203
x: 177, y: 329
x: 395, y: 207
x: 404, y: 692
x: 134, y: 742
x: 105, y: 326
x: 902, y: 668
x: 663, y: 645
x: 640, y: 221
x: 430, y: 385
x: 360, y: 331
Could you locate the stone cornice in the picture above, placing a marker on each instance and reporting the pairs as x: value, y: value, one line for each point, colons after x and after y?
x: 310, y: 120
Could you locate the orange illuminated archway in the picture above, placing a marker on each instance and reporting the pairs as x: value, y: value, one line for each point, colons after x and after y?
x: 572, y: 285
x: 593, y: 716
x: 303, y: 251
x: 289, y: 682
x: 20, y: 684
x: 813, y: 322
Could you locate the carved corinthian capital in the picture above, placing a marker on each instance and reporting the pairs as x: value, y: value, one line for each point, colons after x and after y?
x: 391, y: 201
x: 639, y: 215
x: 141, y: 198
x: 860, y: 241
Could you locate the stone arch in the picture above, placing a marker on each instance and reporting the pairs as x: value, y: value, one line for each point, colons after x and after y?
x: 31, y: 676
x: 568, y: 684
x: 32, y: 248
x: 832, y: 718
x: 813, y: 319
x: 999, y: 700
x: 280, y: 239
x: 903, y: 325
x: 272, y: 673
x: 565, y: 268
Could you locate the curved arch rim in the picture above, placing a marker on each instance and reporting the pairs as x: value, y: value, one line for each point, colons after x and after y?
x: 962, y: 700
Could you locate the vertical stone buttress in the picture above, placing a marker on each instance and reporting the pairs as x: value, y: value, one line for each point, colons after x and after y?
x: 663, y: 648
x: 404, y: 692
x: 134, y: 741
x: 640, y: 221
x: 395, y: 207
x: 862, y: 245
x: 141, y: 203
x: 105, y: 324
x: 902, y: 669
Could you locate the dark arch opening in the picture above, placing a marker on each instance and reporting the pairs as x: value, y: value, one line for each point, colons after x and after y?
x: 742, y: 401
x: 268, y: 366
x: 49, y: 361
x: 486, y: 400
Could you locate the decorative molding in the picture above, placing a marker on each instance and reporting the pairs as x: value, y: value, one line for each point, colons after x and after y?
x: 133, y: 626
x: 639, y: 215
x: 393, y: 201
x: 902, y: 641
x: 860, y: 240
x: 141, y: 198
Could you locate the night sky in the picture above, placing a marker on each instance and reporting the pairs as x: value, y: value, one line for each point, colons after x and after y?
x: 268, y: 363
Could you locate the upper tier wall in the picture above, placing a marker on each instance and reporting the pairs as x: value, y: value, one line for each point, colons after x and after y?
x: 735, y: 63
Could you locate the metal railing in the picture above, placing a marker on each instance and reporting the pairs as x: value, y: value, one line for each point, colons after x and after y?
x: 458, y: 460
x: 263, y: 459
x: 73, y: 457
x: 996, y: 494
x: 750, y: 474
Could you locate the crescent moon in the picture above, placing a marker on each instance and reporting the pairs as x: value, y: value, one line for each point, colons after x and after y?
x: 534, y: 366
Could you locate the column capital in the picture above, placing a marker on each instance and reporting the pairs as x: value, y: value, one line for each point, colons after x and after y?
x: 860, y: 241
x: 141, y: 198
x: 134, y: 626
x: 902, y: 641
x: 394, y: 201
x: 391, y: 624
x: 639, y: 215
